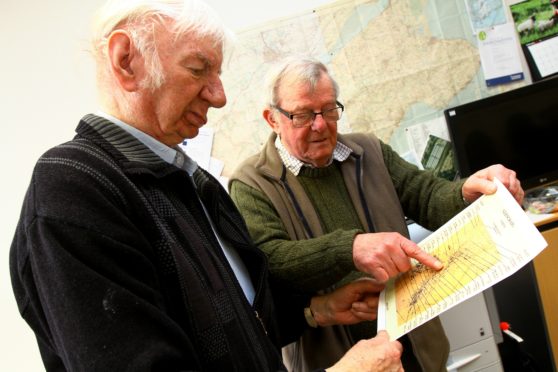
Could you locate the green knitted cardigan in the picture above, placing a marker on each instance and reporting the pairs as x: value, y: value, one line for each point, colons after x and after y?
x: 319, y: 256
x: 305, y: 261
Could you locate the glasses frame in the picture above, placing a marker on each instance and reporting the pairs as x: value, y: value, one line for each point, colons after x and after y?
x: 290, y: 116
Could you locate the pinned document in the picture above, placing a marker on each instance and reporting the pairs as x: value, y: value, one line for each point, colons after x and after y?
x: 500, y: 55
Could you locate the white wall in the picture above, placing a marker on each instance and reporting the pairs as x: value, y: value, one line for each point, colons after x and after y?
x: 46, y: 85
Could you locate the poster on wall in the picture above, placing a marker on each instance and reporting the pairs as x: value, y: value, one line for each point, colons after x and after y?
x: 536, y: 23
x: 500, y: 56
x: 496, y: 40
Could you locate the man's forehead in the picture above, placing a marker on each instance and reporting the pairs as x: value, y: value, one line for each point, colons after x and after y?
x: 205, y: 47
x: 195, y: 51
x: 300, y: 95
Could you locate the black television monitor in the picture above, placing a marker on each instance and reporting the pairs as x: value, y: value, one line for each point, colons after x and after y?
x: 518, y: 129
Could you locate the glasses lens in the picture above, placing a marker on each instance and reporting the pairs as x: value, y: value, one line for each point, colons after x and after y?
x: 305, y: 120
x: 302, y: 120
x: 333, y: 114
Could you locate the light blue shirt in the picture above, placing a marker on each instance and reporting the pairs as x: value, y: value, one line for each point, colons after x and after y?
x: 178, y: 158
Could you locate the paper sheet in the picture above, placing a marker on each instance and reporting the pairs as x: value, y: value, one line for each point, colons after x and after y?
x: 485, y: 243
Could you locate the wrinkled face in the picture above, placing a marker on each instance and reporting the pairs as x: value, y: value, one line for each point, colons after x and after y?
x: 314, y: 144
x: 178, y: 108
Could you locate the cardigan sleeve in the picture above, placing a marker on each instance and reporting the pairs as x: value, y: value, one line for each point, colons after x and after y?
x: 428, y: 200
x: 308, y: 265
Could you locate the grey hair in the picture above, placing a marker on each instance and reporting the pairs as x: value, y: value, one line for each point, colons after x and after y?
x: 299, y: 70
x: 139, y: 18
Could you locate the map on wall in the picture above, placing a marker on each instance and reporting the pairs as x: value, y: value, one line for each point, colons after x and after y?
x: 398, y: 63
x: 486, y: 13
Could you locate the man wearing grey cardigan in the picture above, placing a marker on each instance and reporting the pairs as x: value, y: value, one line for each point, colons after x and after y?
x: 327, y: 208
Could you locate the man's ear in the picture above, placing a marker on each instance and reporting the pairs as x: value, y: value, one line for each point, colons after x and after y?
x: 269, y: 116
x: 123, y: 60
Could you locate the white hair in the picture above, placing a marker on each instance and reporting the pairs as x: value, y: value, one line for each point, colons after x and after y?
x: 298, y: 70
x: 139, y: 18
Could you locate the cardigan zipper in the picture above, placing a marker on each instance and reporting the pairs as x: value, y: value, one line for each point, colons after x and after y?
x: 261, y: 321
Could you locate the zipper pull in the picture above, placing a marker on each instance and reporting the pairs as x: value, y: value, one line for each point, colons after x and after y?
x: 261, y: 321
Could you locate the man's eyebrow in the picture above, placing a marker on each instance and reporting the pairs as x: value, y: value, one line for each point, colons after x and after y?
x: 203, y: 58
x: 208, y: 64
x: 305, y: 109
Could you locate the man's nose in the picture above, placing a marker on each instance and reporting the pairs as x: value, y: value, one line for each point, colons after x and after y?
x: 318, y: 124
x: 214, y: 92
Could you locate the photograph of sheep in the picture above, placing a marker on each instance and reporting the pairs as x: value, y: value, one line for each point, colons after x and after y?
x: 535, y: 19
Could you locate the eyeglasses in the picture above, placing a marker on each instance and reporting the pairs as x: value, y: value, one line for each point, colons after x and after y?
x: 306, y: 119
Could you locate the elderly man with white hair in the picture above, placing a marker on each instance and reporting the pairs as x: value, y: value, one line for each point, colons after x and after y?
x: 329, y: 207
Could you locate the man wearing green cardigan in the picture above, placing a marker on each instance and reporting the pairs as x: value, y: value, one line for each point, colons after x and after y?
x: 327, y: 208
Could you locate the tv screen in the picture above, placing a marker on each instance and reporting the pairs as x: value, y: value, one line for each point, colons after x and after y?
x: 518, y: 129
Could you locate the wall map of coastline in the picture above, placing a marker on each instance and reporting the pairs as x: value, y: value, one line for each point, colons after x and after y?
x: 398, y: 63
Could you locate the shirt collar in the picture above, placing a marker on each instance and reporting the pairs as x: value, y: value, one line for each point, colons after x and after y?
x: 171, y: 155
x: 294, y: 165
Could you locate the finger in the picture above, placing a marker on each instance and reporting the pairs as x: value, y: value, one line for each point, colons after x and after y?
x: 520, y: 195
x: 414, y: 251
x: 369, y: 304
x: 363, y: 307
x: 364, y: 315
x: 380, y: 274
x: 368, y: 285
x: 369, y: 279
x: 364, y: 310
x: 400, y: 260
x: 517, y: 191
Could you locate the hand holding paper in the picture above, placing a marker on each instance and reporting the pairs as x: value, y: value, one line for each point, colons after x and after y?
x: 485, y: 243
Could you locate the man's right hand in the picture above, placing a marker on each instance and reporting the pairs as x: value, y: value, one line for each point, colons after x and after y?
x: 377, y: 354
x: 384, y: 255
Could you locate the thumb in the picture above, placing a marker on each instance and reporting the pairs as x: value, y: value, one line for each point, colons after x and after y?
x: 382, y: 335
x: 476, y: 186
x: 486, y: 186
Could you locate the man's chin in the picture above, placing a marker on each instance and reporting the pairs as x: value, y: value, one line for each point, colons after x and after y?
x: 322, y: 155
x: 190, y: 132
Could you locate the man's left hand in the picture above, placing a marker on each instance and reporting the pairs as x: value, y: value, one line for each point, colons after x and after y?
x: 482, y: 183
x: 350, y: 304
